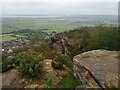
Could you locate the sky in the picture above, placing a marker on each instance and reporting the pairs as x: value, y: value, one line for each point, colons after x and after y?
x: 60, y: 7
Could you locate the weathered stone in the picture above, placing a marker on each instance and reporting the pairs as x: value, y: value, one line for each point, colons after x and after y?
x: 82, y: 87
x: 58, y: 47
x: 61, y: 46
x: 11, y: 79
x: 97, y: 68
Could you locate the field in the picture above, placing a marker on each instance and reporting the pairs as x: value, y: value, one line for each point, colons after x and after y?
x: 49, y: 24
x: 7, y: 38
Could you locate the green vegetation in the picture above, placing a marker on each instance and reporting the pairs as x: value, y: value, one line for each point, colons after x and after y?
x: 27, y: 55
x: 49, y: 82
x: 68, y: 81
x: 28, y: 60
x: 6, y: 38
x: 60, y: 60
x: 102, y: 38
x: 36, y: 39
x: 93, y: 38
x: 7, y: 64
x: 27, y: 27
x: 47, y: 52
x: 22, y: 49
x: 29, y: 63
x: 57, y: 65
x: 58, y: 24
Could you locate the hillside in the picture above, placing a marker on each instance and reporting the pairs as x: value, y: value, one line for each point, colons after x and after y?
x: 86, y: 39
x: 91, y: 69
x: 48, y: 62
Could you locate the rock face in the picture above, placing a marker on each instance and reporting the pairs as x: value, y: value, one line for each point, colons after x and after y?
x: 60, y: 45
x: 12, y: 79
x: 97, y: 69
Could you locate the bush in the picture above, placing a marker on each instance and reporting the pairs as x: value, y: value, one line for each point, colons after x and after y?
x: 93, y: 38
x: 57, y: 65
x: 7, y: 64
x: 61, y: 59
x: 69, y: 78
x: 29, y: 63
x: 102, y: 38
x: 37, y: 39
x: 21, y: 49
x: 65, y: 59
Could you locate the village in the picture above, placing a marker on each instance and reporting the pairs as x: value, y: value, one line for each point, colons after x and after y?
x: 7, y: 46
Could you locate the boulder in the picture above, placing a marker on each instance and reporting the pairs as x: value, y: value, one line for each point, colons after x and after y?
x: 97, y: 68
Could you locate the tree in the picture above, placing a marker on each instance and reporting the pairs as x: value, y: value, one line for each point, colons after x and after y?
x: 36, y: 39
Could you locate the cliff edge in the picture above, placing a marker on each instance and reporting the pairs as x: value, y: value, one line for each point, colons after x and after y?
x: 97, y: 69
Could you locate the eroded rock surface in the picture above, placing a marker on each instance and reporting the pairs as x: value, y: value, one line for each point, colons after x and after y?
x: 97, y: 68
x: 12, y: 79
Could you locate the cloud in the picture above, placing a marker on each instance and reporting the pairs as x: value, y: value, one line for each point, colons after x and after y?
x: 60, y: 1
x: 74, y: 8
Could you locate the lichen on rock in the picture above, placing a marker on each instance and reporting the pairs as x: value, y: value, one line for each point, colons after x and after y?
x: 97, y: 68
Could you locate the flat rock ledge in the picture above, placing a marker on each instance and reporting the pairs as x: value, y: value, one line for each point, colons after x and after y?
x: 97, y: 69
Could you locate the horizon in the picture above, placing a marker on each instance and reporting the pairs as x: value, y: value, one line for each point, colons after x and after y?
x: 57, y: 15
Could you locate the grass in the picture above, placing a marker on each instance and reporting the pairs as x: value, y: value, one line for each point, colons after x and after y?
x: 54, y: 24
x: 68, y: 82
x: 3, y: 35
x: 6, y: 38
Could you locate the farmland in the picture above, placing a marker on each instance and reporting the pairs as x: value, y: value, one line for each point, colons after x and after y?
x: 49, y: 24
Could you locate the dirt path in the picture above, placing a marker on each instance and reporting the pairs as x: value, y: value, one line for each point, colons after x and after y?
x: 48, y: 72
x: 9, y: 76
x: 47, y: 65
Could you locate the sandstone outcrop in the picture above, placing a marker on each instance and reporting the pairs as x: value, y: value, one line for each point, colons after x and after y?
x: 61, y: 45
x: 97, y: 69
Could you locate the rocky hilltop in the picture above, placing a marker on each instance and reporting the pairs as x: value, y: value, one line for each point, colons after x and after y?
x: 96, y: 69
x: 13, y: 79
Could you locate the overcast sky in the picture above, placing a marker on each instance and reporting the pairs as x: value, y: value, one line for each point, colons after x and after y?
x: 56, y: 7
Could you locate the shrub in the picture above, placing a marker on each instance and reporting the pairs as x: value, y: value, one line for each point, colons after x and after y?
x: 102, y: 38
x: 57, y: 65
x: 61, y: 59
x: 37, y: 39
x: 21, y: 49
x: 68, y: 78
x: 42, y: 48
x: 29, y: 63
x: 65, y: 59
x: 7, y: 64
x: 49, y: 82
